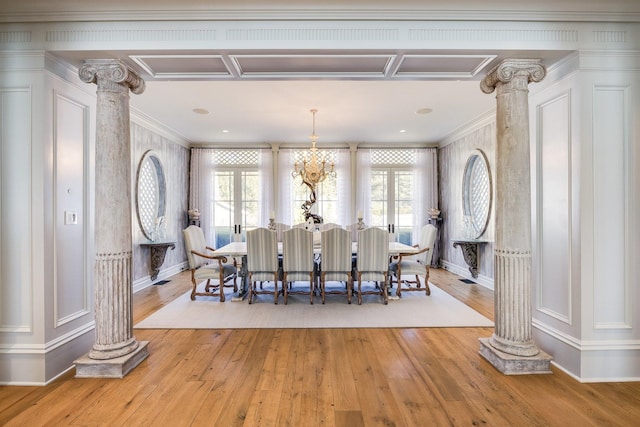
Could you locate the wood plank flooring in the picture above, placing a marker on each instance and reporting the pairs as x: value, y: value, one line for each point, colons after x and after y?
x: 313, y: 377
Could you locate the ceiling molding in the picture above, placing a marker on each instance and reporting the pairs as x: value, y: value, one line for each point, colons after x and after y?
x: 318, y: 14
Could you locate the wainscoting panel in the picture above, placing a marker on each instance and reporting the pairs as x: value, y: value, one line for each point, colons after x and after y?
x: 611, y: 154
x: 16, y: 310
x: 70, y: 213
x: 554, y: 205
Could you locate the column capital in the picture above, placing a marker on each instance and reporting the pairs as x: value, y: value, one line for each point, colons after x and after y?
x: 510, y: 69
x: 111, y: 75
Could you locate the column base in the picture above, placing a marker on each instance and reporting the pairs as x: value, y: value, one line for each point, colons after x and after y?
x: 509, y: 364
x: 111, y: 368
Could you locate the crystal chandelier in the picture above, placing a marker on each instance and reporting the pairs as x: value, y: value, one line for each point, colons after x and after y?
x: 314, y: 165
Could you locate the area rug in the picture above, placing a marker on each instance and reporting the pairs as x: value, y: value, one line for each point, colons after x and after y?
x: 413, y: 310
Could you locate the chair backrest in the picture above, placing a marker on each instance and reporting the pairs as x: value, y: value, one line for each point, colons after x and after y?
x: 279, y: 229
x: 373, y: 250
x: 427, y: 240
x: 262, y: 250
x: 297, y: 250
x: 336, y: 250
x: 194, y: 240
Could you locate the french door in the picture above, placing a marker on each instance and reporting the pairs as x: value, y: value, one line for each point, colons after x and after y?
x: 392, y: 202
x: 236, y: 204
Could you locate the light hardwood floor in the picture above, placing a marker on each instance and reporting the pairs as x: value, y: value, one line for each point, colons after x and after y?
x: 313, y: 377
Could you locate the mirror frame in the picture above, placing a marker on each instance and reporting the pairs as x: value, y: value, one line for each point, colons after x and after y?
x: 479, y: 225
x: 160, y: 187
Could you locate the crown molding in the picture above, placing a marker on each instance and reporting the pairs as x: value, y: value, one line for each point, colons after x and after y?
x: 319, y: 15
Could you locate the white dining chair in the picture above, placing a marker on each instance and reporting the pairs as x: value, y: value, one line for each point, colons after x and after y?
x: 262, y: 262
x: 415, y: 264
x: 373, y: 262
x: 297, y: 262
x: 336, y: 264
x: 205, y: 264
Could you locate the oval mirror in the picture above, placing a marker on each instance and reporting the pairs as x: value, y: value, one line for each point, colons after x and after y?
x: 476, y: 195
x: 150, y: 195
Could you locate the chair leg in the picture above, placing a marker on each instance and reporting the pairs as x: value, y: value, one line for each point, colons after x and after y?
x: 349, y: 288
x: 311, y: 288
x: 384, y: 290
x: 193, y: 291
x: 285, y: 288
x: 322, y: 285
x: 275, y: 288
x: 426, y: 283
x: 399, y: 279
x: 359, y: 288
x: 221, y: 287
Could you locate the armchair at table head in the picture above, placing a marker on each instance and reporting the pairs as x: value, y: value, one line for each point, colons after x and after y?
x: 297, y: 262
x: 372, y: 264
x: 262, y: 261
x: 205, y: 264
x: 336, y: 261
x: 416, y: 264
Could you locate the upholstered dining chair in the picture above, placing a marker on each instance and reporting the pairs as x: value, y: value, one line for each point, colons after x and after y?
x: 297, y: 262
x: 336, y: 261
x: 415, y: 264
x: 372, y: 264
x: 206, y: 265
x: 262, y: 262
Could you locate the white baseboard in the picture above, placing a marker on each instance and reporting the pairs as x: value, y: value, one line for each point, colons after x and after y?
x: 146, y: 281
x: 485, y: 281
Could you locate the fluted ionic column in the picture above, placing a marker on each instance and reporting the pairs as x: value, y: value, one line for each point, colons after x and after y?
x: 512, y: 281
x: 113, y: 241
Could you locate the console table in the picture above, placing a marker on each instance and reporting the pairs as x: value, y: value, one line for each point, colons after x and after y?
x: 469, y: 249
x: 158, y: 252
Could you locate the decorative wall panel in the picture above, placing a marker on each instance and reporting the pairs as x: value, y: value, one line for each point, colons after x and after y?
x: 70, y: 213
x: 611, y: 153
x: 15, y: 210
x: 553, y: 243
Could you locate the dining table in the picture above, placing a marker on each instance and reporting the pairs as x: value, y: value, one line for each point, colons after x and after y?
x: 239, y: 250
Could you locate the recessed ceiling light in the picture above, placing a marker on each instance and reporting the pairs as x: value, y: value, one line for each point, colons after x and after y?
x: 200, y: 111
x: 403, y: 131
x: 225, y: 130
x: 424, y: 111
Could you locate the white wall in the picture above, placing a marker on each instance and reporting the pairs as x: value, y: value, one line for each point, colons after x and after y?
x: 46, y: 295
x: 586, y: 153
x: 47, y: 133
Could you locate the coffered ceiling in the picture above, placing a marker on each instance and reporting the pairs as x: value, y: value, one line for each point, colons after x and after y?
x: 379, y: 97
x: 239, y: 96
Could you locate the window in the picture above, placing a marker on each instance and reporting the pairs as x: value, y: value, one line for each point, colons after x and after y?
x: 235, y: 203
x: 229, y: 189
x: 388, y: 190
x: 392, y: 190
x: 333, y: 200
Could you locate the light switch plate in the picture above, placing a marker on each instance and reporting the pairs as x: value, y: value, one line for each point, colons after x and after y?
x: 70, y: 218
